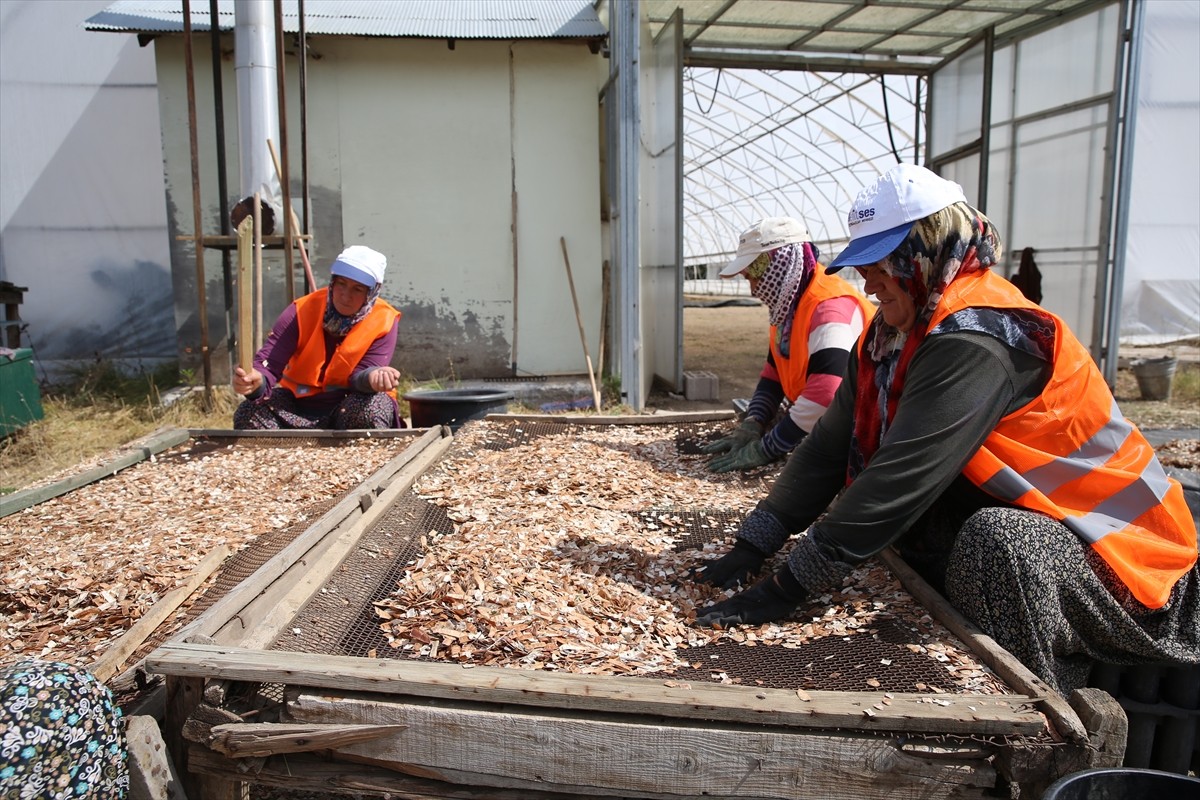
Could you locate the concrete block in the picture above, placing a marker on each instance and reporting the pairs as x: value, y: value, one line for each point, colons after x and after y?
x: 701, y: 385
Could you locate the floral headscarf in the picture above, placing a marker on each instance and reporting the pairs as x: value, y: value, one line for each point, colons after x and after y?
x: 782, y: 281
x: 338, y: 324
x: 956, y: 241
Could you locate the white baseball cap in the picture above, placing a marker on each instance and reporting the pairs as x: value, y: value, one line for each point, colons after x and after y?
x: 884, y: 212
x: 361, y: 264
x: 764, y: 235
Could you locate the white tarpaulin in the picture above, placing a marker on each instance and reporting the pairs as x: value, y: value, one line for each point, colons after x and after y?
x: 1161, y: 302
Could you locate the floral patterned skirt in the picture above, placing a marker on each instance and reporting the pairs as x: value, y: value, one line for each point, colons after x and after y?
x: 61, y: 735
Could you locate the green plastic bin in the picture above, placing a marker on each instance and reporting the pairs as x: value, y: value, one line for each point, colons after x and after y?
x: 20, y: 398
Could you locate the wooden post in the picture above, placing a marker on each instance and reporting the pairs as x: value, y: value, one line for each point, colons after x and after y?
x: 245, y: 285
x: 183, y: 696
x: 311, y: 285
x: 258, y: 273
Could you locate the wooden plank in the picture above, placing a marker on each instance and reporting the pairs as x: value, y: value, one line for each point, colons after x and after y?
x: 228, y: 609
x: 1107, y: 725
x: 225, y: 610
x: 1035, y: 768
x: 183, y: 695
x: 513, y: 749
x: 273, y: 738
x: 229, y: 241
x: 106, y: 666
x: 910, y: 713
x: 664, y: 418
x: 1004, y: 663
x: 301, y: 772
x: 260, y: 621
x: 352, y: 433
x: 245, y: 293
x: 135, y: 453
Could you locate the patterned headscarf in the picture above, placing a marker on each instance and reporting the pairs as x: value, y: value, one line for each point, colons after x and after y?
x: 956, y: 241
x: 787, y: 273
x: 337, y: 324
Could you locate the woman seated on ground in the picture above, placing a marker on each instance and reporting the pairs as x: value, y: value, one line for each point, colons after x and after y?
x: 974, y: 432
x: 327, y: 360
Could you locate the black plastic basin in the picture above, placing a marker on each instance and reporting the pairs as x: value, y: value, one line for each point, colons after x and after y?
x: 1123, y: 783
x: 454, y: 407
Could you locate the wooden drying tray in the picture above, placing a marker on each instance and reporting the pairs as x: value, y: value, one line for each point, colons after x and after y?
x: 159, y: 441
x: 427, y: 730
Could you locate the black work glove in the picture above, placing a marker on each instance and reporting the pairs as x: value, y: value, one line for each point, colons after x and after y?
x: 732, y: 569
x: 773, y: 598
x: 748, y: 456
x: 749, y: 430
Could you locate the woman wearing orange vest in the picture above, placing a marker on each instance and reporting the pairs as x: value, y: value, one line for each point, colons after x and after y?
x: 327, y: 361
x: 816, y: 320
x: 975, y: 434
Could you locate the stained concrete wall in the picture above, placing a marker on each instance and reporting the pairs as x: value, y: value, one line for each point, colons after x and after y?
x: 434, y: 156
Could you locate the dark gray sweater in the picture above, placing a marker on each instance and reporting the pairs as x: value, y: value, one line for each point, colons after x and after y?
x: 958, y: 387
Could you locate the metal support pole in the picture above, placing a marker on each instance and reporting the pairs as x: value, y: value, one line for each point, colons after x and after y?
x: 214, y: 29
x: 626, y: 58
x: 306, y: 221
x: 197, y: 216
x: 281, y: 82
x: 1136, y: 16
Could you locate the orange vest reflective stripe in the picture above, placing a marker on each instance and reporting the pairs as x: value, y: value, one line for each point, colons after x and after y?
x: 793, y: 370
x: 302, y: 375
x: 1071, y: 454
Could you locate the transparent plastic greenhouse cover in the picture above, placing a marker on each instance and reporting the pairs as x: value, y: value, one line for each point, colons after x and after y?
x: 1161, y: 301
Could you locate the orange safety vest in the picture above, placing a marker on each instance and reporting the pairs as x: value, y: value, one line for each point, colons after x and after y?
x: 1071, y: 454
x: 793, y: 370
x: 302, y: 376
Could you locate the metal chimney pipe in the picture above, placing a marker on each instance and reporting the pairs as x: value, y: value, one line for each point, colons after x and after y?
x: 258, y: 109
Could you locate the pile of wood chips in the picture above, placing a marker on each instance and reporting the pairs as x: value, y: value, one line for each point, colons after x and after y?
x: 81, y: 568
x: 553, y: 566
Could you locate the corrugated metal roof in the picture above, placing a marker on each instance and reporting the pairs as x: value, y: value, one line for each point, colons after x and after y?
x: 880, y: 33
x: 434, y: 19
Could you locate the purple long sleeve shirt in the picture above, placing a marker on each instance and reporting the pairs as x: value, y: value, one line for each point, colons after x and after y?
x: 281, y: 345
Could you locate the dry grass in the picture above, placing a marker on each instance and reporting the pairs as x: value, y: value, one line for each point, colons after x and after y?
x: 98, y: 411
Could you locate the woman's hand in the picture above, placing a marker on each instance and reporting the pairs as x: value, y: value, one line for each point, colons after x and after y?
x: 246, y: 383
x: 384, y: 379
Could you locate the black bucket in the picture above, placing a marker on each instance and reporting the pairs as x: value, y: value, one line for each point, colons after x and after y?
x: 454, y: 407
x: 1123, y: 783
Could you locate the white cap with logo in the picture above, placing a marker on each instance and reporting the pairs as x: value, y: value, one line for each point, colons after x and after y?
x: 884, y: 212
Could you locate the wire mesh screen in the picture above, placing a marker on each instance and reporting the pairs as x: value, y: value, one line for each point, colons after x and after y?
x: 341, y: 619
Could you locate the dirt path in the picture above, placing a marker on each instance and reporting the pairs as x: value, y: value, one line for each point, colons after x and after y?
x: 730, y: 341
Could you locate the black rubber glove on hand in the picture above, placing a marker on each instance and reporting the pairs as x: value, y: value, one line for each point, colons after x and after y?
x: 773, y: 598
x: 749, y: 430
x: 734, y: 568
x: 748, y: 456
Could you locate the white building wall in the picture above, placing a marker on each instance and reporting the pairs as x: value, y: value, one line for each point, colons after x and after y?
x: 82, y: 222
x: 415, y: 149
x: 557, y: 145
